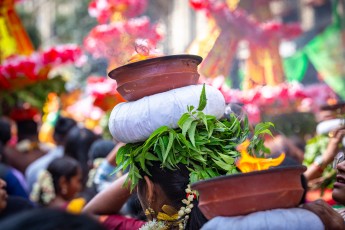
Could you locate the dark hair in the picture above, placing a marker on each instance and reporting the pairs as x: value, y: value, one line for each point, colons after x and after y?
x: 100, y: 149
x: 15, y: 205
x: 77, y: 146
x: 50, y: 219
x: 133, y: 208
x: 62, y: 167
x: 174, y: 189
x: 27, y: 129
x: 62, y: 126
x: 5, y: 131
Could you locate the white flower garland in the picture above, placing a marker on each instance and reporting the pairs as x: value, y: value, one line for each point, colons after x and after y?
x: 92, y: 173
x: 183, y: 214
x: 43, y: 188
x: 154, y: 224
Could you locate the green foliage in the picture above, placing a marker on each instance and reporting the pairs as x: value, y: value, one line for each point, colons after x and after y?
x: 207, y: 146
x: 35, y: 94
x: 314, y: 148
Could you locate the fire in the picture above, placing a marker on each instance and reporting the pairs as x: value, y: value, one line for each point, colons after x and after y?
x: 248, y: 163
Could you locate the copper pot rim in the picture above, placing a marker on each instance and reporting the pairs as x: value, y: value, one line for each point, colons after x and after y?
x: 112, y: 74
x: 203, y: 183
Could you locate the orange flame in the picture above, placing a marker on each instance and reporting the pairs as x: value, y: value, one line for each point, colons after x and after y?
x: 143, y: 52
x: 248, y: 163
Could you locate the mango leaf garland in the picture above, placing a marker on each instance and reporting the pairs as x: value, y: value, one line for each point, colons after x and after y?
x: 206, y: 146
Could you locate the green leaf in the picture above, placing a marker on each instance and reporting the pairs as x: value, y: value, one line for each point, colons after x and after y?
x: 210, y: 128
x: 150, y: 141
x: 193, y: 177
x: 211, y: 172
x: 187, y: 125
x: 183, y: 119
x: 202, y: 100
x: 262, y: 128
x: 191, y: 132
x: 222, y: 165
x: 163, y: 148
x: 190, y: 108
x: 202, y: 117
x: 151, y: 157
x: 204, y: 174
x: 227, y: 159
x: 170, y: 143
x: 142, y: 163
x: 117, y: 169
x: 121, y: 154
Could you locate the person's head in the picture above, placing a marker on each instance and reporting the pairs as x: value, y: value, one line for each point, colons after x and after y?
x: 66, y: 174
x: 5, y: 131
x: 61, y: 179
x: 3, y: 195
x: 62, y: 126
x: 133, y: 208
x: 167, y: 187
x: 339, y: 186
x: 77, y: 146
x: 47, y: 219
x: 100, y: 149
x: 332, y: 111
x: 27, y: 129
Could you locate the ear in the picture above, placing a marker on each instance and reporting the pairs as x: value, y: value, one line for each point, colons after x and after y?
x: 149, y: 189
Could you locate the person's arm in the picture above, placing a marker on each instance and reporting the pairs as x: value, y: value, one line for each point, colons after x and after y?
x: 110, y: 200
x: 330, y: 218
x: 315, y: 170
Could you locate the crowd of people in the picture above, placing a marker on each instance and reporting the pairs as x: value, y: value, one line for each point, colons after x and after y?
x: 73, y: 185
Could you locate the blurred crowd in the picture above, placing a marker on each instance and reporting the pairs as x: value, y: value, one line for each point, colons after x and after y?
x: 46, y: 186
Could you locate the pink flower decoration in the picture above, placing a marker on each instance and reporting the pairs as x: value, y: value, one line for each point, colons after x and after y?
x: 37, y: 65
x: 117, y: 40
x: 104, y: 9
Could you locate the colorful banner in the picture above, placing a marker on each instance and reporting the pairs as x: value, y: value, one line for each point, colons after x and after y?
x: 13, y: 39
x: 325, y: 52
x: 295, y: 66
x: 264, y: 66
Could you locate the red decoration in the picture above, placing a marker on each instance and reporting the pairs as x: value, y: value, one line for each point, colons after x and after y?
x: 104, y: 92
x: 21, y: 70
x: 286, y: 97
x: 20, y: 114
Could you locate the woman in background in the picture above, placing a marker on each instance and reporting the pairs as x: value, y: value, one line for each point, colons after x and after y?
x: 57, y: 186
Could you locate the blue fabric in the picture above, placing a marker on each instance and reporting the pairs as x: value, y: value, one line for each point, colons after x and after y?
x: 104, y: 176
x: 14, y: 187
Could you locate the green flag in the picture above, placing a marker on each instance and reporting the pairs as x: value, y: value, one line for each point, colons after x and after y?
x: 325, y: 52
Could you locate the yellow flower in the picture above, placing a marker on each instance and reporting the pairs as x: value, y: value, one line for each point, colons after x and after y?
x: 75, y: 206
